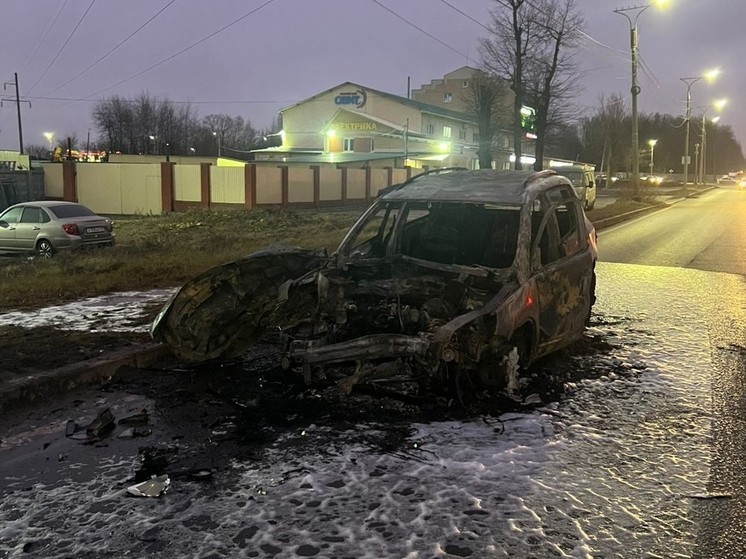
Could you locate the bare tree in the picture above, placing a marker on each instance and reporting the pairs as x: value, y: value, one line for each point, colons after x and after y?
x: 38, y: 150
x: 531, y: 48
x: 604, y: 134
x: 551, y: 77
x: 237, y: 136
x: 505, y: 53
x: 486, y: 100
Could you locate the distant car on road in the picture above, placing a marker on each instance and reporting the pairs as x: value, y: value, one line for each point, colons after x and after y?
x: 47, y: 227
x: 583, y: 182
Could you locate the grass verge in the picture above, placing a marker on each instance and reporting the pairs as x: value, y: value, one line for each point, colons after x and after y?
x: 164, y: 251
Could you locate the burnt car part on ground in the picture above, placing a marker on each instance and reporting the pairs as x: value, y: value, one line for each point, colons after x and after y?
x: 450, y: 280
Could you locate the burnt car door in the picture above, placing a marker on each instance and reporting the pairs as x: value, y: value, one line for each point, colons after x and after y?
x: 562, y: 267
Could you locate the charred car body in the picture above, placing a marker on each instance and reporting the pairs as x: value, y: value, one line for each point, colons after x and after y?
x: 465, y: 274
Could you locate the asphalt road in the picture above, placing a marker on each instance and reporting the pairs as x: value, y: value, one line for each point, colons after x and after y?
x: 706, y: 233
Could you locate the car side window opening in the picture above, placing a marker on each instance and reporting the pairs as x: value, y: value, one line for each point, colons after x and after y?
x: 545, y: 246
x: 565, y: 210
x: 32, y: 215
x: 372, y: 239
x: 12, y: 216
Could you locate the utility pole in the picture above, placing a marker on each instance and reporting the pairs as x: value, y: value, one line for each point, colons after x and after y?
x: 710, y: 75
x: 635, y: 90
x: 406, y: 142
x: 689, y: 83
x: 18, y: 102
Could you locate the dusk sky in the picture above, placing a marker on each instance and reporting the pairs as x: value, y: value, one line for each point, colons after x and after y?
x: 288, y: 50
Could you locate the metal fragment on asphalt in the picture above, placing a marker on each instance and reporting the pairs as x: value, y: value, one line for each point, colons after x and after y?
x: 154, y: 487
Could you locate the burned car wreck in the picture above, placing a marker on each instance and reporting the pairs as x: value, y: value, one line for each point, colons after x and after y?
x: 455, y: 277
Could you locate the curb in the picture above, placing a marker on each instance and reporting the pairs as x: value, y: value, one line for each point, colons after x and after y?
x: 98, y: 371
x: 609, y: 221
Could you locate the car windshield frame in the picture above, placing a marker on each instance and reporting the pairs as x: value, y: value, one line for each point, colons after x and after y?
x: 395, y: 217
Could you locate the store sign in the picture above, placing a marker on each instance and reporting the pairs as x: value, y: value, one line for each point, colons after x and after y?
x: 356, y: 98
x: 356, y: 126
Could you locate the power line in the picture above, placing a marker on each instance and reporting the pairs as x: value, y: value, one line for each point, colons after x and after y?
x: 182, y: 51
x: 44, y: 36
x: 159, y: 12
x: 217, y: 102
x: 467, y: 16
x: 433, y: 37
x: 60, y: 51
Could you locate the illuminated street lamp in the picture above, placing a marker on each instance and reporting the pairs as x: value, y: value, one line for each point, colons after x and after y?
x: 635, y: 13
x: 709, y: 76
x: 718, y: 106
x: 218, y: 138
x: 49, y: 136
x: 652, y: 143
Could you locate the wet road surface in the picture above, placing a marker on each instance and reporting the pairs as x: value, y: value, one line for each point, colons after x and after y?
x: 634, y: 452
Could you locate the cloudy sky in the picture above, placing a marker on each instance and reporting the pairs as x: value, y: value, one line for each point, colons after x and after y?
x: 254, y: 57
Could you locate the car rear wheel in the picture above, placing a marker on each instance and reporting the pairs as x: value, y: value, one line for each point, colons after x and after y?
x: 44, y: 249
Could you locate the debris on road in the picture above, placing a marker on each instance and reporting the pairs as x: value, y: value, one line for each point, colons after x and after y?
x: 154, y: 487
x: 100, y: 426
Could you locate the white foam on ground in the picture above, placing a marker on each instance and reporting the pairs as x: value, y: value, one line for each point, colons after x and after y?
x: 115, y: 312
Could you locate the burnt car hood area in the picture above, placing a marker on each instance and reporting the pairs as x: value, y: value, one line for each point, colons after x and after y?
x: 452, y: 279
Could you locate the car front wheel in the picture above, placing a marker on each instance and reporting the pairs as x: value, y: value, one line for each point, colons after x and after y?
x: 44, y: 249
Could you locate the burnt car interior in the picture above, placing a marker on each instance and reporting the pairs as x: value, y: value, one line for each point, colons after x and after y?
x: 447, y: 233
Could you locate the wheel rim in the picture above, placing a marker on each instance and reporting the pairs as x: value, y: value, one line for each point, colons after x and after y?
x: 45, y: 249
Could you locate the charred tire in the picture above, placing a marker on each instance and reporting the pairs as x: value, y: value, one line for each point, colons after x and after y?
x: 44, y: 249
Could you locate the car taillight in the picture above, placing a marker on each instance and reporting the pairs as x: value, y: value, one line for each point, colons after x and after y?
x: 71, y: 229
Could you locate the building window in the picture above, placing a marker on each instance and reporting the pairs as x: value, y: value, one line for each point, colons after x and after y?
x: 349, y: 144
x: 431, y: 129
x: 447, y: 97
x: 475, y: 137
x: 372, y: 144
x: 465, y: 83
x: 446, y: 131
x: 462, y: 134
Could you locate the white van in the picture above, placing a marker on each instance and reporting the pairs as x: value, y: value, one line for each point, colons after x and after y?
x: 584, y: 182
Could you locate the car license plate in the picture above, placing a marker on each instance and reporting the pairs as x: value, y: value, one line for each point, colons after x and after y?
x: 95, y: 230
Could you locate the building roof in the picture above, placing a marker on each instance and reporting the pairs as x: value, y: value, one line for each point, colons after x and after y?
x: 424, y: 107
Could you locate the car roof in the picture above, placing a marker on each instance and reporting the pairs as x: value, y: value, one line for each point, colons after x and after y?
x: 46, y: 203
x: 43, y: 204
x: 485, y: 185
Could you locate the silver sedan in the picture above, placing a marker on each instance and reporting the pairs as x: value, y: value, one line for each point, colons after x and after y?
x: 46, y: 227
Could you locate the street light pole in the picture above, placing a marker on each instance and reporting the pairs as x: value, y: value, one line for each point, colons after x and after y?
x: 689, y: 83
x: 718, y: 105
x: 703, y: 141
x: 218, y: 138
x: 652, y: 143
x: 635, y: 90
x: 711, y: 75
